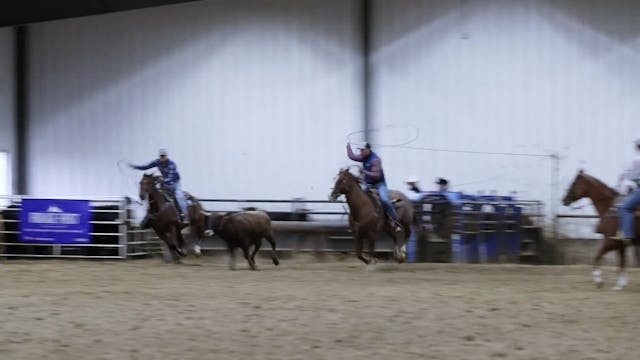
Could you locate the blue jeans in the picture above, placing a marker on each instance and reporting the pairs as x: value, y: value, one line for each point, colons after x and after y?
x: 626, y: 213
x: 182, y: 200
x: 384, y: 198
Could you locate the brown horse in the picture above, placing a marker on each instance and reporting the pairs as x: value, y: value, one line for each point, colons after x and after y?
x: 166, y: 223
x: 603, y: 198
x: 366, y: 218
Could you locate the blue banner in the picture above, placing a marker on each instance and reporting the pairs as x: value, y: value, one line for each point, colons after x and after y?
x: 55, y: 221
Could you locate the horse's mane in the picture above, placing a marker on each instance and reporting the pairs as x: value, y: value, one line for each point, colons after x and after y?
x: 606, y: 188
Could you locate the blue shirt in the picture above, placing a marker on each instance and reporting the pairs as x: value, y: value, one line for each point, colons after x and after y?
x: 168, y: 169
x: 372, y: 164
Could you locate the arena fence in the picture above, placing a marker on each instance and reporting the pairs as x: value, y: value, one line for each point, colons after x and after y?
x: 478, y: 229
x: 108, y: 219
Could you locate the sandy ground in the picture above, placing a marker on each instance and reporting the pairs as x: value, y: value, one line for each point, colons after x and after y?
x: 144, y: 309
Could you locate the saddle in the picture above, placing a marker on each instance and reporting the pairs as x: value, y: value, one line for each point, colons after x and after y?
x: 170, y: 196
x: 613, y: 210
x: 377, y: 203
x: 612, y: 216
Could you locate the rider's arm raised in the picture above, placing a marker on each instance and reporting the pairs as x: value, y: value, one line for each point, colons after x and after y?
x: 150, y: 165
x: 353, y: 156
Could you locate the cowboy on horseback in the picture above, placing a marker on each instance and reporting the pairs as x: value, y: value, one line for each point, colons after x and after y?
x: 170, y: 179
x: 373, y: 176
x: 631, y: 201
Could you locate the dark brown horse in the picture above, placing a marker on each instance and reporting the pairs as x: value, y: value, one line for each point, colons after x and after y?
x: 366, y: 218
x: 166, y: 223
x: 603, y: 198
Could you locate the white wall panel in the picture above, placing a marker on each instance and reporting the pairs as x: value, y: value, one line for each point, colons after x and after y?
x: 251, y: 98
x: 7, y: 103
x: 507, y: 76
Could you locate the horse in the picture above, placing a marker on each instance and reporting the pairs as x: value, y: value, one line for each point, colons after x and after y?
x: 603, y: 198
x: 366, y: 216
x: 166, y: 223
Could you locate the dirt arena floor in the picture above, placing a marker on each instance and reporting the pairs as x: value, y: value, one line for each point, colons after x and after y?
x: 304, y: 309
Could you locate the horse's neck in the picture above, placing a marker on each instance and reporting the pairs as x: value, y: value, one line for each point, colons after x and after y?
x: 602, y: 198
x: 157, y: 200
x: 357, y: 200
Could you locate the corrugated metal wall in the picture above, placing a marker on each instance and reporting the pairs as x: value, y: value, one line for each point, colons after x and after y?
x: 7, y: 99
x: 252, y: 98
x: 507, y: 76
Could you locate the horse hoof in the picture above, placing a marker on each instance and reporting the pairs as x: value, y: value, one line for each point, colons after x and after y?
x: 197, y: 251
x: 208, y: 233
x: 599, y: 284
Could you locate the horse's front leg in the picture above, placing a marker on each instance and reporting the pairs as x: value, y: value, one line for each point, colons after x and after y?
x: 596, y: 273
x: 167, y: 238
x: 359, y: 247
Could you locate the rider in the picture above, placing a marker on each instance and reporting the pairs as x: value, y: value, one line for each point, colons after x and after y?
x: 630, y: 202
x: 170, y: 178
x: 374, y: 177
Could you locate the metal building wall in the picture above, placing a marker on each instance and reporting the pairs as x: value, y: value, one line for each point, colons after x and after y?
x: 251, y: 98
x: 535, y: 77
x: 7, y: 97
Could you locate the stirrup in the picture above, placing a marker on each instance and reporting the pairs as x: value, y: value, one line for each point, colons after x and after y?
x: 626, y: 241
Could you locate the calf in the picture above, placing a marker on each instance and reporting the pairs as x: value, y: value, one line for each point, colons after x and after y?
x: 243, y: 230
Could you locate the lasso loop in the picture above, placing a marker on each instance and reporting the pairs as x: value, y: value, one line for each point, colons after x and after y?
x: 400, y: 126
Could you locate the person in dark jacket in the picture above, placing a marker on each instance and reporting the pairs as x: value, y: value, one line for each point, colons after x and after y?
x: 374, y: 177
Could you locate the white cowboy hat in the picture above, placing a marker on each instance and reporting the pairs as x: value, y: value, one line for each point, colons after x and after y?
x: 411, y: 179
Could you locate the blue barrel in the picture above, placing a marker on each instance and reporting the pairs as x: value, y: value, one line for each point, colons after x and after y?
x: 464, y: 244
x: 488, y: 235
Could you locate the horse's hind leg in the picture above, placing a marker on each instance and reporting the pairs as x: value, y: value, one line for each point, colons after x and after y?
x: 195, y: 238
x: 623, y: 279
x: 245, y: 251
x: 397, y: 250
x: 256, y: 247
x: 274, y: 256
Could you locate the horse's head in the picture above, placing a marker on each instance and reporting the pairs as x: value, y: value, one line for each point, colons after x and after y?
x: 579, y: 189
x: 344, y: 183
x: 148, y: 185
